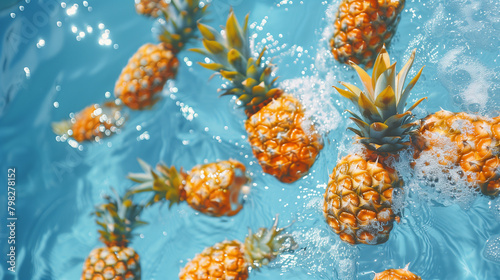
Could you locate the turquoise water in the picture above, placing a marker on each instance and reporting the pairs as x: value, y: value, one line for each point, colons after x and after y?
x: 57, y: 58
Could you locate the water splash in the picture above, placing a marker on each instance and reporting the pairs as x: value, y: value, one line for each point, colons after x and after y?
x: 433, y: 180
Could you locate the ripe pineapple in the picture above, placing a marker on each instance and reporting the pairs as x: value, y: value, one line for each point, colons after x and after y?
x: 145, y: 75
x: 92, y: 123
x: 358, y: 198
x: 232, y: 259
x: 118, y: 218
x: 151, y: 8
x: 283, y: 140
x: 362, y: 27
x: 396, y: 274
x: 212, y: 188
x: 475, y: 146
x: 153, y: 65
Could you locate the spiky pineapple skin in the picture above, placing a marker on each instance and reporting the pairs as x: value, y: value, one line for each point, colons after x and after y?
x: 283, y: 140
x: 145, y: 74
x: 224, y: 260
x: 90, y: 123
x: 362, y: 27
x: 214, y: 188
x: 476, y: 146
x: 396, y: 274
x: 114, y: 263
x: 359, y: 194
x: 151, y: 8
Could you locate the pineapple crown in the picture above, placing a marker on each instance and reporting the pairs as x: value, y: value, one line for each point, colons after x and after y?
x: 118, y: 217
x: 266, y: 244
x: 181, y: 18
x: 384, y: 125
x: 251, y: 79
x: 165, y: 183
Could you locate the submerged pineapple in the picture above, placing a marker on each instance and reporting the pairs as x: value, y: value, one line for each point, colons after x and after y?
x: 396, y: 274
x: 474, y: 145
x: 151, y: 8
x: 213, y: 188
x: 232, y: 259
x: 154, y: 64
x: 283, y: 140
x: 358, y: 198
x: 145, y: 75
x: 118, y: 218
x: 92, y: 123
x: 362, y: 27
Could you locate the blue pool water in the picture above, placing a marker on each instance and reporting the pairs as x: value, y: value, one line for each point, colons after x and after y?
x: 58, y: 57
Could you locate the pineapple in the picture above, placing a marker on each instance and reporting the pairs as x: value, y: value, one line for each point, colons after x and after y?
x: 153, y: 65
x: 362, y: 27
x: 232, y: 259
x: 396, y: 274
x: 475, y: 146
x: 283, y: 140
x: 150, y: 8
x: 118, y: 218
x: 358, y: 198
x: 92, y: 123
x: 145, y: 75
x: 213, y: 188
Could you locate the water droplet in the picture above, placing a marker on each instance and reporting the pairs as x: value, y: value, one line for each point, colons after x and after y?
x: 41, y: 43
x: 27, y: 72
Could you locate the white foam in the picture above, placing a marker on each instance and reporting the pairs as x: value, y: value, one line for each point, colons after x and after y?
x: 433, y: 181
x: 466, y: 76
x: 323, y: 255
x: 315, y: 95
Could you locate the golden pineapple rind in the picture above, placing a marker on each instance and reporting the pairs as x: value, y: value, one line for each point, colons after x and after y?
x: 144, y: 76
x: 396, y: 274
x: 362, y: 27
x: 283, y: 141
x: 114, y: 263
x: 224, y: 260
x: 151, y: 8
x: 476, y: 149
x: 358, y: 200
x: 214, y: 188
x: 92, y: 123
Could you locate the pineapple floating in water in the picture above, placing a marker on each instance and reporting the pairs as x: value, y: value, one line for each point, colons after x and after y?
x: 283, y: 140
x: 474, y: 145
x: 154, y: 64
x: 358, y: 198
x: 396, y: 274
x: 118, y: 218
x: 151, y: 8
x: 362, y: 27
x: 92, y: 123
x: 213, y: 188
x: 232, y: 259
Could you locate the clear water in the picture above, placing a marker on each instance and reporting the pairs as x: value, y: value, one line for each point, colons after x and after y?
x: 57, y: 57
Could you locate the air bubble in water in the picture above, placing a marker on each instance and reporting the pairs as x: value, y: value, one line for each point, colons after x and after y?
x: 492, y: 249
x: 495, y: 208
